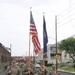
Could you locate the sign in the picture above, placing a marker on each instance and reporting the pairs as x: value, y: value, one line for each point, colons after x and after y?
x: 56, y: 56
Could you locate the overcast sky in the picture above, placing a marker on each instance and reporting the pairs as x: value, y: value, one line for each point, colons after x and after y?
x: 15, y: 22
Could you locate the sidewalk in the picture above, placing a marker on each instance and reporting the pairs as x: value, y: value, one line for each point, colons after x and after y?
x: 66, y: 71
x: 2, y: 73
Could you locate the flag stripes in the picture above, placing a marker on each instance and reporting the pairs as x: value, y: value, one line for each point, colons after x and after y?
x: 34, y: 33
x: 33, y: 29
x: 36, y: 44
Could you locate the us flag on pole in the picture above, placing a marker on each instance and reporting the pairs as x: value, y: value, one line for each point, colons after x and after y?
x: 34, y: 33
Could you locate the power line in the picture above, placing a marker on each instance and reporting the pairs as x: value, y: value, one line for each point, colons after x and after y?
x: 72, y: 26
x: 66, y: 18
x: 71, y: 36
x: 66, y: 9
x: 67, y: 12
x: 67, y: 38
x: 51, y: 38
x: 66, y: 22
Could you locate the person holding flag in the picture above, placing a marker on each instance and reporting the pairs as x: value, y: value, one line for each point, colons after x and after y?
x: 35, y: 40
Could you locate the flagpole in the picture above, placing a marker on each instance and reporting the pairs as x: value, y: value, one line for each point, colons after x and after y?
x: 33, y: 57
x: 29, y: 55
x: 29, y: 49
x: 34, y: 34
x: 43, y: 43
x: 45, y: 40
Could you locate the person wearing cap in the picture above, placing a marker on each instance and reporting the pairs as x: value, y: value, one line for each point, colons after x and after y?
x: 54, y: 71
x: 26, y: 70
x: 13, y: 69
x: 44, y: 69
x: 38, y: 70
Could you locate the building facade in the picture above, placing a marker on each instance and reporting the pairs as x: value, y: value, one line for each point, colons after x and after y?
x: 63, y: 57
x: 5, y: 55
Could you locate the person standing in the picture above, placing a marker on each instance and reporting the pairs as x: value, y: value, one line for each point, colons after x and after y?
x: 26, y: 70
x: 13, y: 69
x: 44, y: 70
x: 54, y: 71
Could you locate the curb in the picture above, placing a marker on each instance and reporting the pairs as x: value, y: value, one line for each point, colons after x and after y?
x: 66, y: 71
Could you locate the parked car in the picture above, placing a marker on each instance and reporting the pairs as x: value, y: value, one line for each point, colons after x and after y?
x: 38, y: 69
x: 37, y: 66
x: 6, y: 65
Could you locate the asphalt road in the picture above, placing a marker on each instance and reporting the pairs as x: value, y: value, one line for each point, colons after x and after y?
x: 2, y: 73
x: 65, y: 73
x: 60, y: 73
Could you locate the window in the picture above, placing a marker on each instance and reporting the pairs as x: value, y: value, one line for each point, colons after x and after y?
x: 53, y: 49
x: 52, y: 56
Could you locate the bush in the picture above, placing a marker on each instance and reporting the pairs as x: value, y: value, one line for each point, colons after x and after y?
x: 62, y: 65
x: 1, y: 69
x: 49, y: 64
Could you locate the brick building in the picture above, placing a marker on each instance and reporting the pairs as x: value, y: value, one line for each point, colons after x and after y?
x: 5, y: 54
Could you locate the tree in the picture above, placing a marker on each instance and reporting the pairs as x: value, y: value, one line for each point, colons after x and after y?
x: 69, y: 46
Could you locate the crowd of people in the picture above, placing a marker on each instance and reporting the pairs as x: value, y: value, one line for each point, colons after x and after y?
x: 24, y: 69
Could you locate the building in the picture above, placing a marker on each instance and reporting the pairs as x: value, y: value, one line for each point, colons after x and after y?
x: 23, y: 58
x: 51, y: 53
x: 19, y: 58
x: 5, y: 54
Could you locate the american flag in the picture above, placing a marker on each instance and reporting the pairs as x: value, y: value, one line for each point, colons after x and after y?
x: 34, y: 33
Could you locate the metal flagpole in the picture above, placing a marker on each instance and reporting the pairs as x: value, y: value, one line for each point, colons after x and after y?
x: 33, y: 57
x: 29, y: 55
x: 29, y: 50
x: 43, y: 45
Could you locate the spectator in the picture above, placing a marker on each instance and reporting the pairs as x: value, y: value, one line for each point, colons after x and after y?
x: 54, y: 71
x: 13, y: 69
x: 44, y: 70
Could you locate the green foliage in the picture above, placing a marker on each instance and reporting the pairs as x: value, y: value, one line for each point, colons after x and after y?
x: 69, y: 46
x: 68, y: 69
x: 1, y: 68
x: 62, y: 65
x: 49, y: 64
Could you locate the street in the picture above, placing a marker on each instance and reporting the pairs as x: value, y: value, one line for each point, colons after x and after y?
x: 65, y: 73
x: 60, y: 73
x: 3, y: 73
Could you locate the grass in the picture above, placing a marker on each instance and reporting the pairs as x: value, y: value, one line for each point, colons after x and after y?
x: 71, y: 69
x: 62, y: 66
x: 1, y: 69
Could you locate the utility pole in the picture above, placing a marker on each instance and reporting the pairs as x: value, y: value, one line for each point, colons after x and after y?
x: 56, y: 39
x: 10, y: 53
